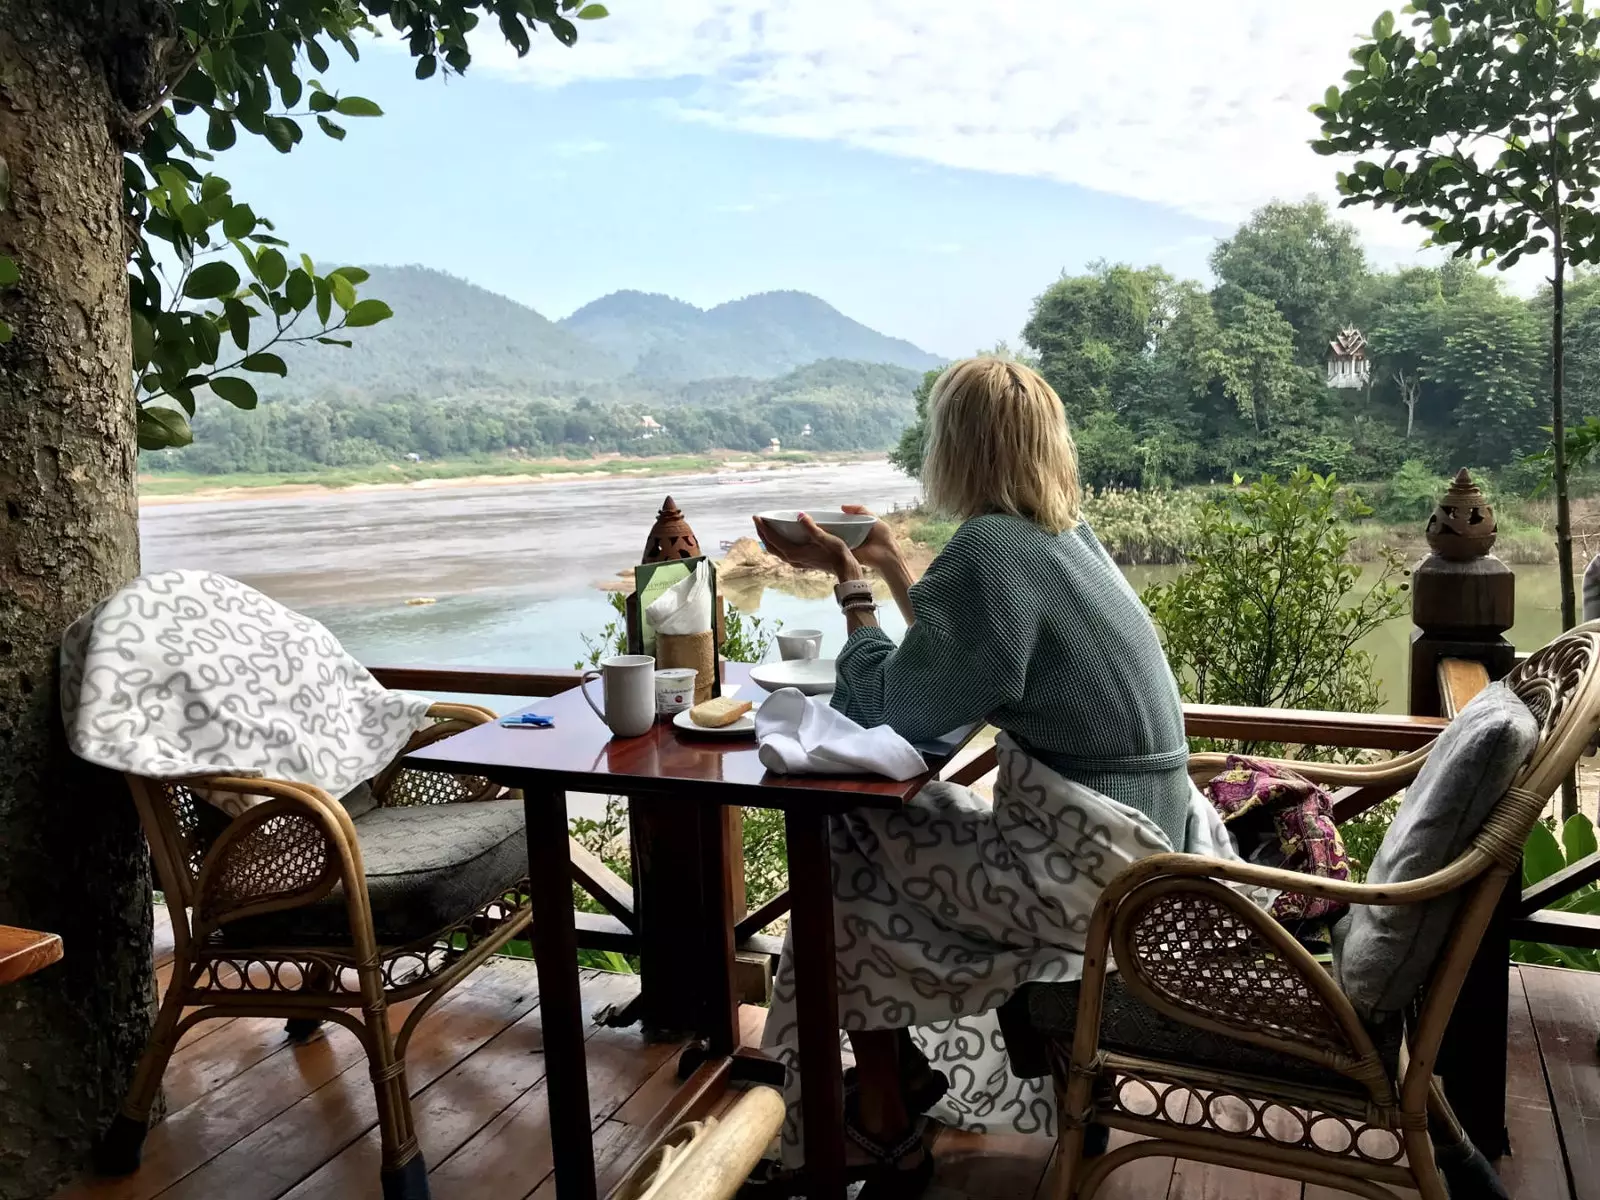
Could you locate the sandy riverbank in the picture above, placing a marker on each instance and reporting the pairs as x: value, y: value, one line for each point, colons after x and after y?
x: 555, y: 472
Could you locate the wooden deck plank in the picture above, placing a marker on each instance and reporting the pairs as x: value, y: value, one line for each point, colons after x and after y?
x: 276, y: 1157
x: 1565, y: 1007
x: 511, y: 1155
x: 453, y: 1108
x: 200, y: 1066
x: 1008, y: 1166
x: 1206, y: 1181
x: 195, y: 1135
x: 1535, y: 1166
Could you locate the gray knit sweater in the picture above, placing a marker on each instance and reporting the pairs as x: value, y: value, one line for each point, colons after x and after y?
x: 1042, y: 636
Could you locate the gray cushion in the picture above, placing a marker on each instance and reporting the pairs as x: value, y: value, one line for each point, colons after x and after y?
x: 1048, y: 1012
x: 428, y: 866
x: 1384, y: 954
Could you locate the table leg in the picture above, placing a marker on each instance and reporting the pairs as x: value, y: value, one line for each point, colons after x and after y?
x: 555, y: 952
x: 816, y: 1002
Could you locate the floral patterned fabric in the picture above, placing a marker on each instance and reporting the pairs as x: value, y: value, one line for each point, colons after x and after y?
x: 1283, y: 820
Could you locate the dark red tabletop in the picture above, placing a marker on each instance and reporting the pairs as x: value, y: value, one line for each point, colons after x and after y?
x: 581, y: 754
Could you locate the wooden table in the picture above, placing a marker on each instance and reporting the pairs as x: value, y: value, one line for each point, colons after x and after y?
x: 24, y: 951
x: 701, y: 773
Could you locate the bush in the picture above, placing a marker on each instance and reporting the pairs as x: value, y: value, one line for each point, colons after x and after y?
x: 1144, y: 528
x: 1270, y: 613
x: 1543, y: 856
x: 1410, y: 494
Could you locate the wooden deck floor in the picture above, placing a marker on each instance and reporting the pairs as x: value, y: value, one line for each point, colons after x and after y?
x: 252, y: 1117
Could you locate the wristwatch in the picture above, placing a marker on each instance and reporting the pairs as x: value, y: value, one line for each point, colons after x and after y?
x: 854, y: 593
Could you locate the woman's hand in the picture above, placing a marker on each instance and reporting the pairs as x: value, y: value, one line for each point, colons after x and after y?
x: 881, y: 551
x: 820, y: 552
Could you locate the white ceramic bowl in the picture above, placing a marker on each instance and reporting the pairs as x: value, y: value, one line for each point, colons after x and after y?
x: 850, y: 528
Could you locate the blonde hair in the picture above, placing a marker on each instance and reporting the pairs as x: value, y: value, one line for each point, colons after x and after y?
x: 998, y: 443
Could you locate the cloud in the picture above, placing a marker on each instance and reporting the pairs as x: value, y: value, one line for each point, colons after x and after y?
x: 579, y: 149
x: 1197, y: 107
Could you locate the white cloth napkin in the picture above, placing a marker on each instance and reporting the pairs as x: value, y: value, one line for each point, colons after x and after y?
x: 802, y: 735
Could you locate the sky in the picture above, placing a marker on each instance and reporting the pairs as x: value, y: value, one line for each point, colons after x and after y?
x: 926, y: 166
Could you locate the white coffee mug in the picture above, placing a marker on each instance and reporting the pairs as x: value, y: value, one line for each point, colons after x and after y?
x: 800, y: 643
x: 630, y: 691
x: 675, y: 690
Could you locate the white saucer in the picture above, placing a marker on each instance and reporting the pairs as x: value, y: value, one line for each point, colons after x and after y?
x: 743, y: 726
x: 813, y: 676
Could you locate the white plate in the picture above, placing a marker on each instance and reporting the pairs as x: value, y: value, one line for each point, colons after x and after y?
x: 813, y: 676
x: 743, y: 726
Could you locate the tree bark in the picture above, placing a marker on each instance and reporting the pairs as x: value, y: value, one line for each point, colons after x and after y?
x: 72, y: 859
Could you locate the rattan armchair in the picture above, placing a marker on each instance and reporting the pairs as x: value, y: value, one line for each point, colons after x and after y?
x: 1292, y: 1082
x: 277, y: 913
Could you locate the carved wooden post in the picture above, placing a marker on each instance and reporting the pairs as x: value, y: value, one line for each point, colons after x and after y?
x: 1463, y: 599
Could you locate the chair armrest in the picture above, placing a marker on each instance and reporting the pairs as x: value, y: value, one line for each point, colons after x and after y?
x: 290, y: 850
x: 1396, y: 772
x: 1196, y: 866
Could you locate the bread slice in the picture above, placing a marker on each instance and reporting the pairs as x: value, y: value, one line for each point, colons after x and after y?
x: 714, y: 714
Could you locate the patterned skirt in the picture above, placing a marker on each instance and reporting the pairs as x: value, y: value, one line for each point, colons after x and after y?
x: 947, y: 906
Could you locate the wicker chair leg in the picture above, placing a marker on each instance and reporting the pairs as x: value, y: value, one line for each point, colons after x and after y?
x: 122, y: 1145
x: 404, y: 1173
x: 1419, y: 1154
x: 1070, y: 1149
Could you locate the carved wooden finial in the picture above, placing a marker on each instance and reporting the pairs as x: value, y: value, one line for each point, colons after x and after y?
x: 670, y: 537
x: 1462, y: 525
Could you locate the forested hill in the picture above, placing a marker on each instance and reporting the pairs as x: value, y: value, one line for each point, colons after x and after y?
x: 759, y: 336
x: 449, y: 338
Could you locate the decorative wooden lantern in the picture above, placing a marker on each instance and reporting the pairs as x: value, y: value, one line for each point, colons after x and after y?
x: 1348, y: 365
x: 670, y: 537
x: 1462, y: 525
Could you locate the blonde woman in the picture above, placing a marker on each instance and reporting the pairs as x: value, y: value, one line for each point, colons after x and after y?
x: 946, y: 907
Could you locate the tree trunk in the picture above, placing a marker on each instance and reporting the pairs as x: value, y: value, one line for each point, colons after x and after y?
x: 72, y: 860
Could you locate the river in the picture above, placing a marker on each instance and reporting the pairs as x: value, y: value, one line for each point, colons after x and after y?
x: 512, y: 568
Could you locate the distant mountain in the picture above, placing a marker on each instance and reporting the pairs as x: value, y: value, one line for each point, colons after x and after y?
x: 451, y: 338
x: 447, y: 337
x: 759, y: 337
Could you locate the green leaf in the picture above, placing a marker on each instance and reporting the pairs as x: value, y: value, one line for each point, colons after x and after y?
x: 211, y: 280
x: 592, y: 12
x: 238, y: 322
x: 1541, y: 855
x: 271, y: 268
x: 354, y: 274
x: 357, y: 106
x: 1442, y: 33
x: 367, y: 312
x: 282, y: 133
x: 1393, y: 180
x: 144, y: 339
x: 238, y: 392
x: 322, y: 102
x: 240, y: 222
x: 9, y: 272
x: 336, y: 132
x: 265, y: 364
x: 1377, y: 64
x: 1383, y: 26
x: 162, y: 427
x: 328, y: 341
x: 220, y: 133
x: 1542, y: 9
x: 317, y: 55
x: 1430, y: 59
x: 299, y: 289
x: 344, y: 292
x: 426, y: 66
x: 1333, y: 98
x: 1577, y: 838
x: 324, y: 298
x: 213, y: 186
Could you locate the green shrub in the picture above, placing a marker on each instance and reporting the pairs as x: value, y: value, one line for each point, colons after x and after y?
x: 1542, y: 857
x: 1410, y: 494
x: 1270, y: 612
